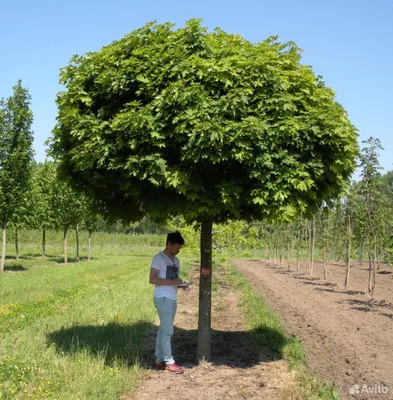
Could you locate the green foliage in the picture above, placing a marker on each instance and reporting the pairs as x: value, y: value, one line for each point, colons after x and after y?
x: 229, y: 239
x: 375, y: 209
x: 44, y: 181
x: 203, y: 124
x: 146, y: 226
x: 68, y: 206
x: 16, y: 154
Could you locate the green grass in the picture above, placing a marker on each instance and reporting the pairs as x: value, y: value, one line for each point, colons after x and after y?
x: 272, y: 341
x: 75, y: 331
x: 102, y: 244
x: 78, y: 331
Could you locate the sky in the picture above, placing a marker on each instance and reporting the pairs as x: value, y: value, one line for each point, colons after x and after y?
x: 348, y: 42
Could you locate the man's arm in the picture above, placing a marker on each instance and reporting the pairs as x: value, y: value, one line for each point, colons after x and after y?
x: 155, y: 280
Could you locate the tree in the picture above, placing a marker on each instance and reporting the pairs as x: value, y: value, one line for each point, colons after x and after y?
x: 68, y: 208
x: 311, y: 244
x: 16, y: 154
x: 91, y: 220
x: 86, y: 217
x: 325, y: 219
x: 372, y: 202
x: 203, y: 124
x: 43, y: 183
x: 348, y: 210
x: 386, y: 188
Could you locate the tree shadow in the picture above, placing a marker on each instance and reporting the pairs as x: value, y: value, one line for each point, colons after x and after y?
x: 348, y: 291
x: 284, y: 272
x: 15, y: 268
x: 307, y: 282
x: 70, y: 260
x: 55, y: 258
x: 385, y: 272
x: 39, y: 255
x: 370, y: 306
x: 307, y: 278
x: 134, y: 344
x: 24, y: 257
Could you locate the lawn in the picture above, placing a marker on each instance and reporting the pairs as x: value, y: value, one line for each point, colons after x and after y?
x: 74, y: 331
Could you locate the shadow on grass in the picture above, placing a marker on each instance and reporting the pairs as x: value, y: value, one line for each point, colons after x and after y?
x: 39, y: 255
x: 24, y: 257
x: 132, y: 344
x: 15, y: 268
x: 30, y: 260
x: 70, y: 260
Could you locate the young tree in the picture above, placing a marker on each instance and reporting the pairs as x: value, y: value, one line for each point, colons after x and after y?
x: 91, y: 221
x: 202, y: 124
x: 372, y: 202
x: 86, y: 217
x: 325, y: 219
x: 43, y: 183
x: 386, y: 188
x: 312, y: 235
x: 16, y: 154
x: 348, y: 218
x: 21, y: 217
x: 67, y: 206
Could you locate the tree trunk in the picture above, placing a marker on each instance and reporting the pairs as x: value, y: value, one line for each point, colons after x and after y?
x: 43, y: 241
x: 312, y: 246
x: 378, y: 261
x: 289, y: 255
x: 308, y: 241
x: 16, y: 243
x: 370, y: 269
x: 361, y: 253
x: 2, y: 261
x: 326, y: 249
x: 275, y: 253
x: 65, y: 245
x: 348, y: 257
x: 77, y: 241
x: 299, y: 243
x: 204, y: 319
x: 374, y: 266
x: 89, y: 247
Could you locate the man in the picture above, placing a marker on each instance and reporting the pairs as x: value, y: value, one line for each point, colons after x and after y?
x: 164, y: 274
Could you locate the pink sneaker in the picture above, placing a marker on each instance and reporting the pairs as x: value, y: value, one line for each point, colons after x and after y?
x: 174, y: 368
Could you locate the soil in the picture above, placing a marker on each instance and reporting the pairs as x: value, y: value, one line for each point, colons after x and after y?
x: 347, y: 334
x: 236, y: 371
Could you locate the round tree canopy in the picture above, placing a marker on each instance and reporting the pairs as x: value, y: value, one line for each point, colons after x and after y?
x: 203, y: 124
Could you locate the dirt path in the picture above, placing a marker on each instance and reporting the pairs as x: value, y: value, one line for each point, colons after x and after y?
x: 347, y: 334
x: 237, y: 370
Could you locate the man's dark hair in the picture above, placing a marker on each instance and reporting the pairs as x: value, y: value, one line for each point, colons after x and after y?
x: 175, y: 238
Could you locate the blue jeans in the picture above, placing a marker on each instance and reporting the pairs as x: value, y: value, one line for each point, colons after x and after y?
x: 166, y: 311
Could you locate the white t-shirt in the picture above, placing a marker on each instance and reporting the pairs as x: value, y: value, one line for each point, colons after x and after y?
x: 168, y: 270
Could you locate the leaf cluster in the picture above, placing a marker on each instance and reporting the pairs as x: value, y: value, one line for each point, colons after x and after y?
x: 204, y: 124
